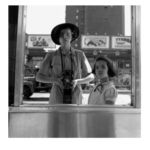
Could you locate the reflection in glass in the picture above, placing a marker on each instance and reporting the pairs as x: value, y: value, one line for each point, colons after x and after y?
x: 97, y: 21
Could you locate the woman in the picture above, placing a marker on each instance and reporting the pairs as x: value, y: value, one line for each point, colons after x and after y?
x: 67, y: 68
x: 104, y: 92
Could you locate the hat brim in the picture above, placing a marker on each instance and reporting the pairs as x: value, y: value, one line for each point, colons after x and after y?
x: 57, y: 29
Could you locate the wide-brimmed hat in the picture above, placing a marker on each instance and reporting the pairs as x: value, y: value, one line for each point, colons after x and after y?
x: 111, y: 67
x: 57, y: 29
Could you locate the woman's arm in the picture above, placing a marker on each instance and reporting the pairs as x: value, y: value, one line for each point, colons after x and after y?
x: 45, y: 74
x: 110, y: 95
x: 48, y: 79
x: 44, y: 78
x: 84, y: 80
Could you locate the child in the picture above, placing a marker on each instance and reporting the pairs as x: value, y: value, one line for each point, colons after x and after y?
x: 104, y: 91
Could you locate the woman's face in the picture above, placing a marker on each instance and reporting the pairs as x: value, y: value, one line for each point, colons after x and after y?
x: 101, y: 69
x: 65, y: 36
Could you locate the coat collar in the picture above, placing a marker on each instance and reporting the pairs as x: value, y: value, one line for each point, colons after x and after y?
x: 72, y: 51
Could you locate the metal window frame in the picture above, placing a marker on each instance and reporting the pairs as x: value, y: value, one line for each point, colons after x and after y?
x: 20, y: 50
x: 136, y: 56
x: 136, y: 61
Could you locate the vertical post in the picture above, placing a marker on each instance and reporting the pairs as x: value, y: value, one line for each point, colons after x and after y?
x: 19, y: 73
x: 136, y: 61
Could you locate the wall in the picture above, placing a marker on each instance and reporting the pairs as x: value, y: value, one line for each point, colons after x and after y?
x: 96, y: 20
x: 104, y: 19
x: 74, y: 122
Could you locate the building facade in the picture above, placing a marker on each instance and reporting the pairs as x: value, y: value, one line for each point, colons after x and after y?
x: 96, y: 20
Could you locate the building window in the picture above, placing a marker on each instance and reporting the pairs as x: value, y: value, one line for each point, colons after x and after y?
x: 77, y: 11
x: 77, y: 17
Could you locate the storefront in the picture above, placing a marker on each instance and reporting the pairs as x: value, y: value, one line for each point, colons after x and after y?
x: 68, y: 120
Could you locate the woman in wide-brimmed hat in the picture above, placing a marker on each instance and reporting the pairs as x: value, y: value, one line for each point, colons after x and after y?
x: 67, y: 68
x: 55, y: 34
x: 104, y: 91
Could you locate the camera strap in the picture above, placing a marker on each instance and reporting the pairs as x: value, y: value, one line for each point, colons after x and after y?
x: 67, y: 93
x: 62, y: 62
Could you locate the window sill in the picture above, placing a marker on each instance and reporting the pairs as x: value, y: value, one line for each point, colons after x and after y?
x: 74, y: 108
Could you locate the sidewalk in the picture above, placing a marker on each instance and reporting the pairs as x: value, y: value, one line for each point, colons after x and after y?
x: 123, y: 98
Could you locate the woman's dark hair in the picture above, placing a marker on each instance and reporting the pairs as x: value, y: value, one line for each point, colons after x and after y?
x: 111, y: 69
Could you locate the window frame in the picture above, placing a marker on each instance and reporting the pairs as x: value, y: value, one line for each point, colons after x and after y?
x: 136, y: 61
x: 20, y: 52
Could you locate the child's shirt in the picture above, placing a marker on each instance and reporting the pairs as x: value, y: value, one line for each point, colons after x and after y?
x: 103, y: 93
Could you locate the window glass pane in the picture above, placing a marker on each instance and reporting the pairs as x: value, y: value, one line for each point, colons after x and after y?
x: 104, y: 31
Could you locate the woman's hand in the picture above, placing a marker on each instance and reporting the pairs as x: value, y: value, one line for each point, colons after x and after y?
x: 85, y: 80
x: 75, y: 83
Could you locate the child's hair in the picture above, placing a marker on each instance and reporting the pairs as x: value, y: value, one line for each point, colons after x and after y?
x: 111, y: 69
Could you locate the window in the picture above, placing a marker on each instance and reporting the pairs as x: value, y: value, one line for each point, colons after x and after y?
x: 127, y: 83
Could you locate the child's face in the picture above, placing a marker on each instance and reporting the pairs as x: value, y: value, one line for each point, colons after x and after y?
x: 101, y: 69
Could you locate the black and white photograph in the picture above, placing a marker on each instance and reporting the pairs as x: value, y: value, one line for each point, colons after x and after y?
x: 74, y: 71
